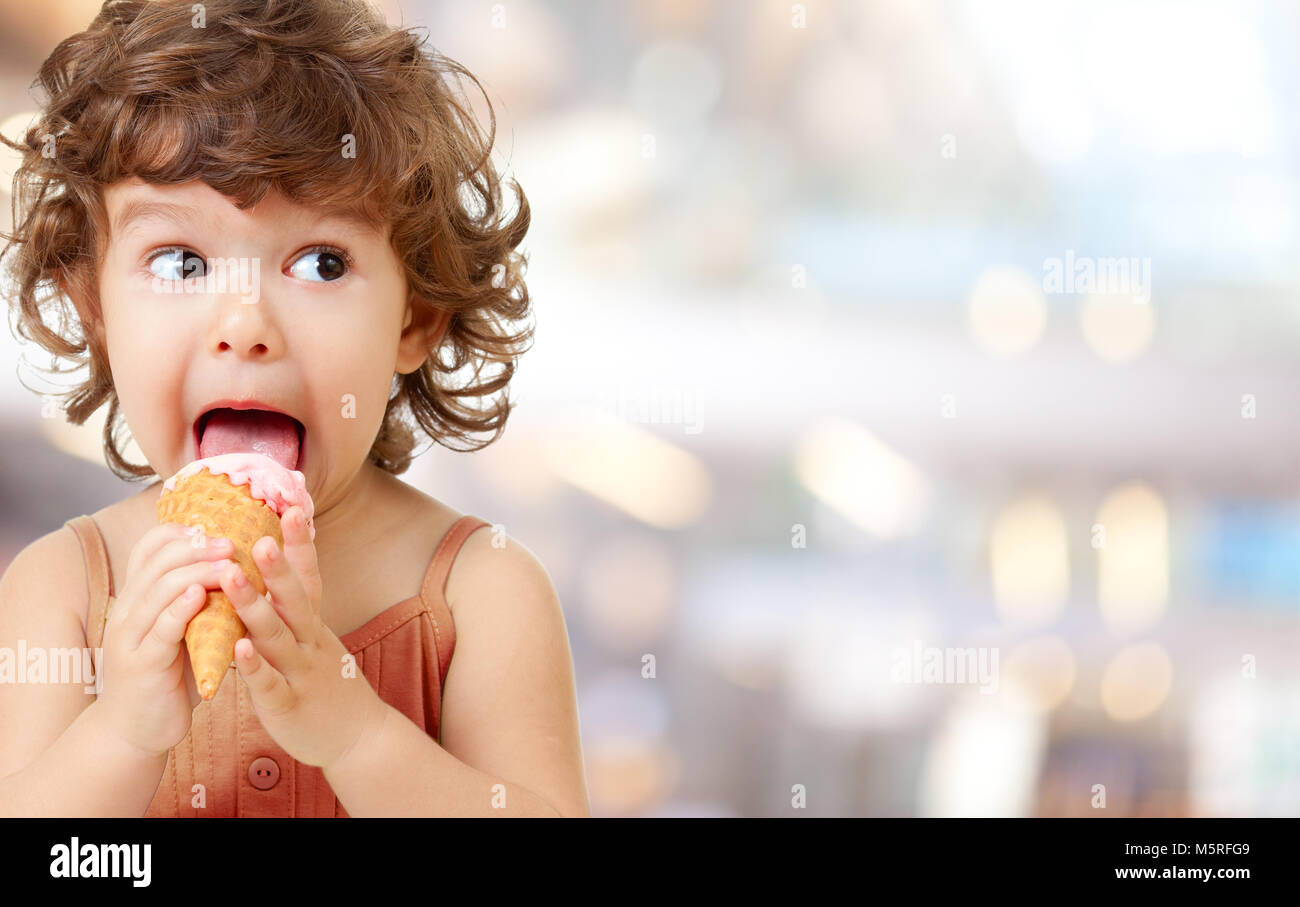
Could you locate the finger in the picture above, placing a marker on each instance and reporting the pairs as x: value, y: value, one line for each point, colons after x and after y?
x: 273, y: 637
x: 187, y: 673
x: 151, y: 542
x: 159, y: 647
x: 176, y: 551
x: 135, y: 623
x: 183, y: 551
x: 300, y: 552
x: 284, y: 587
x: 267, y: 686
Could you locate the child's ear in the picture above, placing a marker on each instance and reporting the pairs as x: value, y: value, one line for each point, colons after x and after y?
x: 420, y: 337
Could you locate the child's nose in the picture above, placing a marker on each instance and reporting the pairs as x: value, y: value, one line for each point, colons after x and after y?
x: 246, y: 328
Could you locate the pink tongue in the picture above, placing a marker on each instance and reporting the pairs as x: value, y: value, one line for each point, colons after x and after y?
x: 241, y: 431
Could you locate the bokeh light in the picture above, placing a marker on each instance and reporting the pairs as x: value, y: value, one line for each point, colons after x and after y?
x: 1029, y: 561
x: 1133, y: 563
x: 1042, y: 670
x: 632, y: 469
x: 1136, y: 682
x: 980, y: 760
x: 863, y: 479
x: 1007, y: 312
x: 627, y: 775
x: 1117, y: 328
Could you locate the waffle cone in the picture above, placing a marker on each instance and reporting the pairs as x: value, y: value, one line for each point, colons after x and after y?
x: 221, y: 510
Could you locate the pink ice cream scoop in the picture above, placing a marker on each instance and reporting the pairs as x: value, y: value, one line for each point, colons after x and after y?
x: 268, y: 481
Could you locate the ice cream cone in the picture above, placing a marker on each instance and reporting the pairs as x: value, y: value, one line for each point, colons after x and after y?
x: 222, y: 510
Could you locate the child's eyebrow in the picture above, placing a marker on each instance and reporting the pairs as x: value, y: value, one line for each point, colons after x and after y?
x: 138, y: 210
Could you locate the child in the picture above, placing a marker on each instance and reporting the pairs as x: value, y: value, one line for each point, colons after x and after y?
x: 281, y: 207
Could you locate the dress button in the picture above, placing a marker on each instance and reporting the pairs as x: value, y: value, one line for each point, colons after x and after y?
x: 263, y: 773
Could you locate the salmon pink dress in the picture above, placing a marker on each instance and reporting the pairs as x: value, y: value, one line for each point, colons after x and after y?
x: 404, y: 652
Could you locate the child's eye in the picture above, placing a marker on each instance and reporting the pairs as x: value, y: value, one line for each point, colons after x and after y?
x: 330, y: 265
x: 178, y: 264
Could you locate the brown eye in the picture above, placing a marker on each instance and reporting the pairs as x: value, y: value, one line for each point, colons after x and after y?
x: 320, y: 265
x: 178, y: 264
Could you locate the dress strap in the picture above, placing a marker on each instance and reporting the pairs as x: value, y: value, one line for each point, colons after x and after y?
x: 435, y: 579
x: 434, y: 590
x: 99, y: 578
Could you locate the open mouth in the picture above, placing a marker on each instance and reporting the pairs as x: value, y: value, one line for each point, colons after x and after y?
x: 223, y: 430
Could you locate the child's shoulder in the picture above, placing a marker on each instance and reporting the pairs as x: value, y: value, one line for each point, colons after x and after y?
x: 47, y: 576
x: 494, y: 566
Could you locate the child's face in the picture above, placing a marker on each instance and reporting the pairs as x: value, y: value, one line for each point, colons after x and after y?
x: 295, y: 327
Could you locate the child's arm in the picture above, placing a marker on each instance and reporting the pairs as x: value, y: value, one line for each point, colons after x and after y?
x: 57, y: 758
x: 509, y: 711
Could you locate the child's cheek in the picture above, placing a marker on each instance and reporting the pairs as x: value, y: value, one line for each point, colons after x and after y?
x: 147, y: 354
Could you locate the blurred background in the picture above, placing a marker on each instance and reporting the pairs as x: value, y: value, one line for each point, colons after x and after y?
x: 875, y: 339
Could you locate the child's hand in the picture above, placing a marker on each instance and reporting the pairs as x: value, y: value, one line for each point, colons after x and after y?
x: 148, y: 688
x: 292, y: 664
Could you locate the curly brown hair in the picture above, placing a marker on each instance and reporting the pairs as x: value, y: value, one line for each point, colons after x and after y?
x: 253, y: 95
